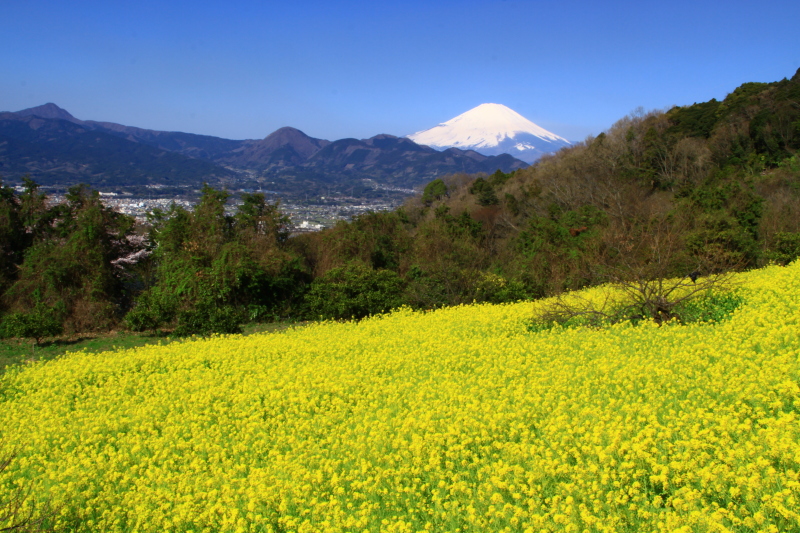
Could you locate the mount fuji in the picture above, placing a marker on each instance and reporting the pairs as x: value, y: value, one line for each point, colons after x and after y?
x: 492, y: 129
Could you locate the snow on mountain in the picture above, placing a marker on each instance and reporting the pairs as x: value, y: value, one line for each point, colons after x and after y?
x: 492, y: 129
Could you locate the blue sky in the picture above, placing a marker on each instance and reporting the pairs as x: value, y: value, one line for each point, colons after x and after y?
x: 241, y: 70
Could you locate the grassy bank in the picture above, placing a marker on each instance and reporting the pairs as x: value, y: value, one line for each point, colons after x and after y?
x: 23, y: 351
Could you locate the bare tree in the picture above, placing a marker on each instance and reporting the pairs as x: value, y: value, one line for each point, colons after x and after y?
x: 15, y: 515
x: 648, y: 274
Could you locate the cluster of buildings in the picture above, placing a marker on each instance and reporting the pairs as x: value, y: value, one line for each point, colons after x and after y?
x: 304, y: 217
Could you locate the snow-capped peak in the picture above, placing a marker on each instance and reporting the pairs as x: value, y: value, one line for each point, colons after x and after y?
x: 492, y: 129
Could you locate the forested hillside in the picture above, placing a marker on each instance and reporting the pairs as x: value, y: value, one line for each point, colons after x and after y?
x: 697, y: 190
x: 707, y: 187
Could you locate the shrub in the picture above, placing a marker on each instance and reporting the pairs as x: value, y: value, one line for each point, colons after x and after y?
x: 354, y: 291
x: 786, y: 248
x: 152, y: 311
x: 207, y: 317
x: 497, y: 289
x: 711, y: 307
x: 41, y: 322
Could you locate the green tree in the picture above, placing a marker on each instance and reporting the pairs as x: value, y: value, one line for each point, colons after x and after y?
x: 11, y: 236
x: 212, y: 270
x: 73, y: 263
x: 484, y: 191
x: 435, y: 190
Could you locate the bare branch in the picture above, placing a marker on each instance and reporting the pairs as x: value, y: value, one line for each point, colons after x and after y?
x: 651, y: 271
x: 12, y: 512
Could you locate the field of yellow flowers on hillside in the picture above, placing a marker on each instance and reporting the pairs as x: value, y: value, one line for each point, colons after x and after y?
x: 455, y: 420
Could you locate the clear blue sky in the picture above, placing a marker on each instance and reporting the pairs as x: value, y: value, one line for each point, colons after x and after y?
x: 241, y: 70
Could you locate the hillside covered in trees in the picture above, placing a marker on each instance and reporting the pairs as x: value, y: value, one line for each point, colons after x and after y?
x: 694, y: 190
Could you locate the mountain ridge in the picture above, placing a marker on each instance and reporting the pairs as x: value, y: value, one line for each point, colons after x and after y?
x: 56, y: 148
x: 48, y: 110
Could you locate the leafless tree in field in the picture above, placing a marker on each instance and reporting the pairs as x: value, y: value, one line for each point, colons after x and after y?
x: 649, y: 275
x: 15, y: 515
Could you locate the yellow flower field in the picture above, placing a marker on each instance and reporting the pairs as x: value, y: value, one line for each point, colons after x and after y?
x: 454, y: 420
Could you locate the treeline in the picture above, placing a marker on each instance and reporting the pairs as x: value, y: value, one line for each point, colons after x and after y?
x: 693, y: 190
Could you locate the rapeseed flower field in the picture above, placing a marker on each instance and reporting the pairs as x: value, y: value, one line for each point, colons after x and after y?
x: 459, y: 419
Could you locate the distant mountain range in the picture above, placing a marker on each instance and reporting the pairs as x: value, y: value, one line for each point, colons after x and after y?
x: 56, y: 148
x: 492, y: 129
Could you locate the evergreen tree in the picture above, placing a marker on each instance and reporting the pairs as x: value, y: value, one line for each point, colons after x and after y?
x: 214, y: 270
x: 70, y: 263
